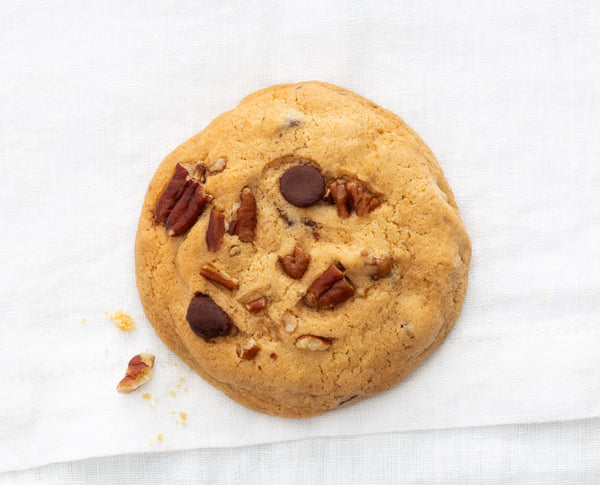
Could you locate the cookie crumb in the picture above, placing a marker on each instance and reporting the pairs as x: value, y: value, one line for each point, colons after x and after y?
x: 146, y: 396
x: 185, y: 389
x: 106, y: 351
x: 159, y: 437
x: 183, y: 417
x: 83, y: 320
x: 173, y: 393
x: 123, y: 321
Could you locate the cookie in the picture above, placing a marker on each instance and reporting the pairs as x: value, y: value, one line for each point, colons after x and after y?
x: 303, y: 252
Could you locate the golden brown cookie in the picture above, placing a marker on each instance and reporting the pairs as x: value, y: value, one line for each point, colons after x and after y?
x: 303, y: 252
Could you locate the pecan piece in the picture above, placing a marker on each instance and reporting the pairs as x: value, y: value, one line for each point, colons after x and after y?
x: 290, y: 322
x: 218, y: 166
x: 245, y: 221
x: 351, y: 196
x: 329, y: 289
x: 257, y: 305
x: 211, y: 272
x: 139, y: 370
x: 295, y: 265
x: 183, y: 199
x: 360, y: 199
x: 383, y: 266
x: 312, y: 342
x: 339, y: 195
x: 215, y: 231
x: 248, y: 350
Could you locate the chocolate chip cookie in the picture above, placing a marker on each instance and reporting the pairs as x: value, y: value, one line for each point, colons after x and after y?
x: 303, y: 252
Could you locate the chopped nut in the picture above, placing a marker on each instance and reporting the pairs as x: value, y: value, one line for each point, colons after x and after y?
x: 351, y: 196
x: 339, y: 194
x: 329, y: 289
x: 139, y: 370
x: 312, y: 342
x: 257, y: 305
x: 211, y: 272
x: 245, y: 222
x: 172, y: 193
x: 187, y: 209
x: 215, y: 231
x: 295, y: 266
x: 234, y: 251
x: 249, y: 350
x: 360, y: 199
x: 183, y: 199
x: 382, y: 266
x: 290, y: 322
x: 218, y: 166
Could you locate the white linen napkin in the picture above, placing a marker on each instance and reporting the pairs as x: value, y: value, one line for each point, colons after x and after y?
x: 93, y: 96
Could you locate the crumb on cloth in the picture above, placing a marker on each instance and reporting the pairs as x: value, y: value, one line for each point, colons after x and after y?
x: 122, y: 321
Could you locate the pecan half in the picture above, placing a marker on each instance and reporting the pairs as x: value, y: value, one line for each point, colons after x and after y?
x: 329, y: 289
x: 215, y: 231
x: 312, y: 342
x: 245, y: 220
x: 211, y: 272
x: 172, y: 193
x: 183, y: 199
x: 139, y: 370
x: 248, y: 350
x: 257, y: 305
x: 295, y: 265
x: 351, y: 196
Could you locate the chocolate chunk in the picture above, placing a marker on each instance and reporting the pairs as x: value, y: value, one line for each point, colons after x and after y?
x: 302, y: 185
x: 206, y: 318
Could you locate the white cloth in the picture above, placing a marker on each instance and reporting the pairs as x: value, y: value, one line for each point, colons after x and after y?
x: 546, y: 453
x: 94, y: 95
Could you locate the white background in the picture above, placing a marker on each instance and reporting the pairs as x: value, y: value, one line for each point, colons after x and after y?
x: 93, y: 95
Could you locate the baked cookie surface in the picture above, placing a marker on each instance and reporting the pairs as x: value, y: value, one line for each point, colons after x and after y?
x: 303, y: 252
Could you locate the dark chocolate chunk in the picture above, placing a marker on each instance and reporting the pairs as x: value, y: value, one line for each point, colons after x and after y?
x: 302, y: 185
x: 206, y: 318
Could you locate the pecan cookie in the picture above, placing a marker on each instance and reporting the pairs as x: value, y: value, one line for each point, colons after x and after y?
x: 303, y: 252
